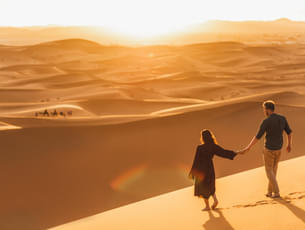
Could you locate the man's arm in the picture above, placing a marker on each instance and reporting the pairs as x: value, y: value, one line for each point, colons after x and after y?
x: 289, y: 135
x: 289, y: 142
x: 256, y: 138
x: 252, y: 143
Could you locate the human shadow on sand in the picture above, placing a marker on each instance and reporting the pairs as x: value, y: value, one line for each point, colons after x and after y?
x: 220, y: 221
x: 298, y: 212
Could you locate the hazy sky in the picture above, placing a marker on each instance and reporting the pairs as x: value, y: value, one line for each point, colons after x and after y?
x: 146, y: 17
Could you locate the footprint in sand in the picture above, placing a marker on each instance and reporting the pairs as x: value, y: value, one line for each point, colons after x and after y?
x: 288, y: 199
x: 295, y: 196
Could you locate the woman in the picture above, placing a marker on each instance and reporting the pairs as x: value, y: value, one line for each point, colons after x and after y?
x: 203, y: 169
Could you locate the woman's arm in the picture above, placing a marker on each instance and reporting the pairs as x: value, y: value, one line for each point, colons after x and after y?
x: 219, y: 151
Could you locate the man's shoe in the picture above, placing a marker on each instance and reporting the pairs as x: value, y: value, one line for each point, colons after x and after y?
x: 268, y: 195
x: 276, y: 196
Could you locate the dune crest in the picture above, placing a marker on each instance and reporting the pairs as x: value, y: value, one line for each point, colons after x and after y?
x: 6, y: 126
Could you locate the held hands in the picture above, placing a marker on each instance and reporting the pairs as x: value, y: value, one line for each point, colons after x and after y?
x: 243, y: 151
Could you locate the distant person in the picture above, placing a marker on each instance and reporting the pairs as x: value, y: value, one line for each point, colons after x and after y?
x: 55, y: 113
x: 62, y: 114
x: 202, y: 170
x: 46, y: 113
x: 273, y: 126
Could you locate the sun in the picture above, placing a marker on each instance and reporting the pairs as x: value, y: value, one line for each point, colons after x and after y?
x: 146, y: 26
x: 145, y: 29
x: 143, y: 19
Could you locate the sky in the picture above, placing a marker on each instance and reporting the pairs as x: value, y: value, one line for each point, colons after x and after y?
x: 143, y: 17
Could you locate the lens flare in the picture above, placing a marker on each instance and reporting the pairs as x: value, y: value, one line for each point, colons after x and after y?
x: 128, y: 177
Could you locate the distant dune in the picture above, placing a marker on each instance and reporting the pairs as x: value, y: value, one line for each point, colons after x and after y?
x: 279, y: 31
x: 122, y: 123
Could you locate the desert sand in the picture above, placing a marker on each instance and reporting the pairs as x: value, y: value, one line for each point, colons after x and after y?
x: 243, y: 206
x: 136, y: 114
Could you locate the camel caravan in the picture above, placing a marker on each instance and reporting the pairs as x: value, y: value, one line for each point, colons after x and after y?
x: 46, y: 113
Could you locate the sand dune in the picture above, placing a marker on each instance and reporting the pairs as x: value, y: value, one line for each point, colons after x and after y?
x: 77, y: 68
x: 107, y: 166
x: 6, y: 126
x: 137, y: 114
x: 243, y: 206
x: 104, y: 106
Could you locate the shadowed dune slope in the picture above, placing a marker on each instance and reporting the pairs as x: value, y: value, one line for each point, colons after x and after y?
x: 242, y: 206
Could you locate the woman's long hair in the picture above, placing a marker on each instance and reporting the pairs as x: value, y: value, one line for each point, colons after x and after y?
x: 207, y: 137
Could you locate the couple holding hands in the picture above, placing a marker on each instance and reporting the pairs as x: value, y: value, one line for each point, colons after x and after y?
x: 202, y: 170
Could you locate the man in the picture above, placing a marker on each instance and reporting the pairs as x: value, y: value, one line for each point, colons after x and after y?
x: 273, y: 126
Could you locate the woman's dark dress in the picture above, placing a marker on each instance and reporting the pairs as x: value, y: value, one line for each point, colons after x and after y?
x: 203, y: 168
